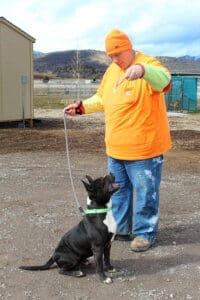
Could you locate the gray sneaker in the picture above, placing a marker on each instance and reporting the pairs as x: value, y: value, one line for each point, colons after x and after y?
x: 140, y: 244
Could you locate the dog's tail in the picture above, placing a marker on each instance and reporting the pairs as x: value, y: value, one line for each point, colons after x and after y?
x: 44, y: 267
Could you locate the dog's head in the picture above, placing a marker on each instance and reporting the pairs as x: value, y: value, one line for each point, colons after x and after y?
x: 101, y: 189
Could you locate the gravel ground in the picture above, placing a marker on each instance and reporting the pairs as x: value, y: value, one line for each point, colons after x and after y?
x: 37, y: 208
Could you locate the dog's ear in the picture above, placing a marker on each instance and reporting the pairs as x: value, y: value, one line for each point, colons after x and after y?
x: 111, y: 174
x: 89, y: 179
x: 87, y: 185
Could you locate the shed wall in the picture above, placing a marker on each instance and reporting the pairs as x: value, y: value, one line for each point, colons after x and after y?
x: 16, y: 64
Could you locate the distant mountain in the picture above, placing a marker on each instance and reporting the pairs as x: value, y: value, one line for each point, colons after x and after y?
x: 181, y: 65
x: 93, y: 63
x: 88, y: 63
x: 188, y: 57
x: 38, y: 54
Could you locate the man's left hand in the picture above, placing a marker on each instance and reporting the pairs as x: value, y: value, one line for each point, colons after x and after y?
x: 134, y: 72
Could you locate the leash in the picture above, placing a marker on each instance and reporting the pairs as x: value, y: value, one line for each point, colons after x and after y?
x: 87, y: 211
x: 69, y: 168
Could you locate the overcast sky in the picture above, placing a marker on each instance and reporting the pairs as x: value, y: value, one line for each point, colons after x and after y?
x: 156, y: 27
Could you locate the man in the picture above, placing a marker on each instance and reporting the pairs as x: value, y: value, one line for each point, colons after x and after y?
x: 137, y: 135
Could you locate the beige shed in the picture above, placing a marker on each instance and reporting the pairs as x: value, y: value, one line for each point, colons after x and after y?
x: 16, y: 73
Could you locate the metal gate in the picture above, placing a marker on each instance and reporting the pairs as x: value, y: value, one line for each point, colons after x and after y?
x: 183, y: 94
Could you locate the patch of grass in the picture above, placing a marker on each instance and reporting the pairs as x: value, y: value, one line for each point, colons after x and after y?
x: 49, y: 102
x: 50, y: 96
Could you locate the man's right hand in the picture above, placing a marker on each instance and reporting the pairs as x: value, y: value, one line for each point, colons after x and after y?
x: 74, y: 109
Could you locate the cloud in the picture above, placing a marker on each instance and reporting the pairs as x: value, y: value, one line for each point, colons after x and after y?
x: 159, y: 27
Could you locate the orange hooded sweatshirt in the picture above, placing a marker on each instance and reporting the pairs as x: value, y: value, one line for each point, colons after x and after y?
x: 136, y: 124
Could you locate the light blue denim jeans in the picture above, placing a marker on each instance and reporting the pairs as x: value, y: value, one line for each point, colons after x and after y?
x: 138, y: 215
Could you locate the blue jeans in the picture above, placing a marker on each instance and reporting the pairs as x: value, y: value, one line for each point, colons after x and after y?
x: 142, y: 178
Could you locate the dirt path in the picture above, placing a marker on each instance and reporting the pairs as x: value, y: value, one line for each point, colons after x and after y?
x: 37, y: 207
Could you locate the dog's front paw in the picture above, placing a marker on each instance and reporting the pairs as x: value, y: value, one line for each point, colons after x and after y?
x: 110, y: 269
x: 107, y: 280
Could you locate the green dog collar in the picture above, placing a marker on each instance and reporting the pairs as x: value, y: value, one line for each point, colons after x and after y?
x: 97, y: 211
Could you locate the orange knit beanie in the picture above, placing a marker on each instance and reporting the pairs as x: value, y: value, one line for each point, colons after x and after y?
x: 117, y: 41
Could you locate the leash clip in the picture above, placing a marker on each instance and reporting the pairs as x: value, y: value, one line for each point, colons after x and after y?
x: 81, y: 211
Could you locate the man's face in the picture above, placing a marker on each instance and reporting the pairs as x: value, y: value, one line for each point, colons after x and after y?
x: 123, y: 59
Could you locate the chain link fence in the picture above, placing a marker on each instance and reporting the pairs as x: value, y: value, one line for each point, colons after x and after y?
x: 183, y: 96
x: 58, y: 93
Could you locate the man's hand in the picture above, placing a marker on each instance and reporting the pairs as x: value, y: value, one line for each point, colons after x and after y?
x: 135, y: 72
x: 74, y: 109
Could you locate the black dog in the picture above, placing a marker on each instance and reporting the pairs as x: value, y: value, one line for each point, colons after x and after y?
x: 91, y: 237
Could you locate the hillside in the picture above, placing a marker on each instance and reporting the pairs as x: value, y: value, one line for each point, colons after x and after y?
x: 180, y: 65
x: 93, y: 63
x: 67, y: 64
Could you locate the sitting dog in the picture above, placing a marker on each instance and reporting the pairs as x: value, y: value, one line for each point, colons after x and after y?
x: 91, y: 237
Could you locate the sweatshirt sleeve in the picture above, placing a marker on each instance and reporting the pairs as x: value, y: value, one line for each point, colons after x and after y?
x: 93, y: 104
x: 158, y: 77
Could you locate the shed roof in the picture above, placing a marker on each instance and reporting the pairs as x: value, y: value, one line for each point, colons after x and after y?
x: 20, y: 31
